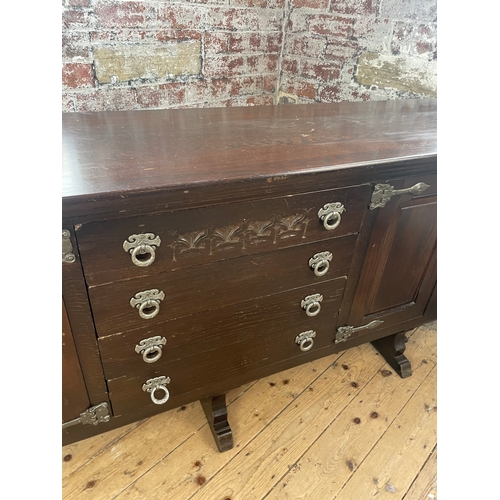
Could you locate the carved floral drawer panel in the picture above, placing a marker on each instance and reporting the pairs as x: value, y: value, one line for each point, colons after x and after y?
x: 150, y: 301
x: 274, y: 321
x: 144, y: 246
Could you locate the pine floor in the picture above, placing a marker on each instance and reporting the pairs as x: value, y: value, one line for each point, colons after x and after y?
x: 344, y: 427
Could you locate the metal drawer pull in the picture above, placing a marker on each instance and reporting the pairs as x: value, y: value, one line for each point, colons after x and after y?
x: 151, y: 348
x: 344, y: 332
x: 148, y: 302
x: 312, y: 304
x: 157, y: 384
x: 305, y: 340
x: 141, y: 245
x: 330, y: 214
x: 320, y: 263
x: 382, y: 193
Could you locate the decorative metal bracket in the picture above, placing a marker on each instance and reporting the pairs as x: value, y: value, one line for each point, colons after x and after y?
x: 67, y: 248
x: 330, y: 214
x: 305, y: 340
x: 148, y: 302
x: 344, y: 332
x: 140, y: 245
x: 151, y: 348
x: 93, y: 416
x: 382, y: 193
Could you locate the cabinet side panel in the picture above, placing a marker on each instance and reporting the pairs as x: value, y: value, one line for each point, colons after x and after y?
x: 75, y: 399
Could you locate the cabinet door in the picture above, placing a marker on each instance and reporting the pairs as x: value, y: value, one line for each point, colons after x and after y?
x: 399, y: 272
x: 74, y: 392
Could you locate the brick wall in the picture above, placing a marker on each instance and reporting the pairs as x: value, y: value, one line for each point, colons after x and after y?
x: 120, y: 54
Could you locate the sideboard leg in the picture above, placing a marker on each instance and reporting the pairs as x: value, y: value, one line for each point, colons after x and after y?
x: 392, y: 349
x: 216, y: 411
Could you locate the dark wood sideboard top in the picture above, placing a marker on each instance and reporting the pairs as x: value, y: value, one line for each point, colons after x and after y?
x: 124, y: 163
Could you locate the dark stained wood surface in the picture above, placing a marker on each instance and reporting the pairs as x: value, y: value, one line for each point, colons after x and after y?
x: 74, y: 393
x: 112, y: 159
x: 192, y: 237
x: 210, y: 286
x: 271, y: 322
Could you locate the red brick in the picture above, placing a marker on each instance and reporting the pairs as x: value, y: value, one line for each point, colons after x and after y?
x: 161, y: 96
x: 230, y: 65
x: 247, y: 42
x: 206, y: 90
x: 78, y: 3
x: 233, y: 19
x: 260, y: 100
x: 180, y: 16
x: 321, y: 71
x: 250, y: 3
x: 353, y: 7
x: 402, y: 33
x: 298, y: 87
x: 332, y: 25
x: 330, y: 93
x: 77, y: 75
x: 77, y: 19
x: 290, y: 65
x: 311, y: 4
x: 274, y: 41
x: 216, y: 43
x: 269, y: 83
x: 75, y: 44
x: 246, y: 85
x: 68, y: 103
x: 262, y: 64
x: 177, y: 35
x: 121, y: 14
x: 342, y: 50
x: 304, y: 46
x: 115, y: 99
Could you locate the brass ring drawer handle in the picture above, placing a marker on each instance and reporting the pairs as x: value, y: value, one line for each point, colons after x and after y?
x: 312, y: 304
x: 320, y: 263
x: 151, y: 348
x: 148, y: 302
x: 330, y: 214
x: 157, y: 384
x: 305, y: 340
x: 141, y: 245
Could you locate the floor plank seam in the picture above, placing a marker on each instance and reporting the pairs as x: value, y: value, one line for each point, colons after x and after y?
x: 105, y: 447
x: 429, y: 457
x: 320, y: 435
x: 270, y: 422
x: 385, y: 432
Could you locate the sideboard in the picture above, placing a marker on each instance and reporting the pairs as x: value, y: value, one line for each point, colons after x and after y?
x: 206, y: 248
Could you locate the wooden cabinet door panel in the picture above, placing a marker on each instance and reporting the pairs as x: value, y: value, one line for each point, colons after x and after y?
x: 399, y: 273
x: 74, y: 392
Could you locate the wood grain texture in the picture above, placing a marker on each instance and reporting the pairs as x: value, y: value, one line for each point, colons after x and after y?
x: 125, y: 162
x: 173, y: 455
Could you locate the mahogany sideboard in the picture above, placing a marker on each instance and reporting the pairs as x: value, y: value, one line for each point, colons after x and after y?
x: 206, y: 248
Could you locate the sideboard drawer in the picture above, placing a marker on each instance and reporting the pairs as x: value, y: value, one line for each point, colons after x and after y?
x: 260, y: 346
x: 260, y: 321
x: 111, y: 251
x: 211, y: 286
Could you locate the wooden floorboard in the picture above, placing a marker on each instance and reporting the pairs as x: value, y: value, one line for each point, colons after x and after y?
x: 343, y: 427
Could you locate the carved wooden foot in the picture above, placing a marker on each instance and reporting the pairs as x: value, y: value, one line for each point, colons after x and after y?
x: 392, y: 349
x: 216, y: 411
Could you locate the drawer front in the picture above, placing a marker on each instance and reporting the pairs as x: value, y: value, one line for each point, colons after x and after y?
x: 192, y: 237
x: 258, y: 348
x: 211, y: 286
x: 269, y: 322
